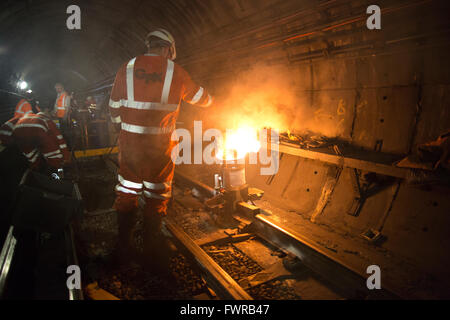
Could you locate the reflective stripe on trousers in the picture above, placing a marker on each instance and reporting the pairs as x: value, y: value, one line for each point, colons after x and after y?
x: 131, y: 187
x: 163, y: 186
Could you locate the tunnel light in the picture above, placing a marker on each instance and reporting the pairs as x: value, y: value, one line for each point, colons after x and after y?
x: 22, y: 85
x: 29, y: 91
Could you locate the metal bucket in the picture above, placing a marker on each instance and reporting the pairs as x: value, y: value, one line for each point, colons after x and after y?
x: 233, y: 175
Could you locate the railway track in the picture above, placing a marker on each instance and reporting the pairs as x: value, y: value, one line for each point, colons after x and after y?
x: 256, y: 258
x: 251, y: 256
x: 34, y: 265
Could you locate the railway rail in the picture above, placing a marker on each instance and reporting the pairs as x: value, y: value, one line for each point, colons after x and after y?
x: 298, y: 256
x: 33, y: 262
x: 45, y: 276
x: 251, y: 257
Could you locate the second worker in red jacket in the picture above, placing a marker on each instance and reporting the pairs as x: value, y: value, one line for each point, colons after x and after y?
x: 39, y: 140
x: 145, y: 103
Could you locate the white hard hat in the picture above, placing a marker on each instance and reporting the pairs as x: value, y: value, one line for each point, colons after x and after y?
x: 164, y: 35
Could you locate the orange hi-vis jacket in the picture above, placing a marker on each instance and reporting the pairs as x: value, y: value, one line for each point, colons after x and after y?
x: 34, y: 138
x: 55, y: 132
x: 62, y: 104
x: 22, y: 108
x: 147, y: 92
x: 145, y: 101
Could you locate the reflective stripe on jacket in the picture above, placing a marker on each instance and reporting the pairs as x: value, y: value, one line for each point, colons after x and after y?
x: 59, y: 137
x: 35, y: 139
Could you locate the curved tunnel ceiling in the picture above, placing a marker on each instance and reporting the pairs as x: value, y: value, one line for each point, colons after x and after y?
x: 215, y: 38
x: 36, y: 43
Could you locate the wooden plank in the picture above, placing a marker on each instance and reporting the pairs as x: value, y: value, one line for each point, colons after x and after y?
x: 327, y: 191
x: 343, y: 161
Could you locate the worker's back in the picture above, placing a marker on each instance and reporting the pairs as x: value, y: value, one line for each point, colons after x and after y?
x: 145, y: 102
x: 23, y: 107
x: 32, y: 135
x: 146, y: 96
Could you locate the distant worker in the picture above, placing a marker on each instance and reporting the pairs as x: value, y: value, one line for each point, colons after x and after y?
x: 62, y: 105
x: 91, y: 105
x: 38, y: 139
x: 24, y: 106
x: 145, y: 102
x: 90, y: 102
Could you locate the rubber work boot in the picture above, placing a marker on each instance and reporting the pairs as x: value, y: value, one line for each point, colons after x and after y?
x: 125, y: 250
x: 157, y: 253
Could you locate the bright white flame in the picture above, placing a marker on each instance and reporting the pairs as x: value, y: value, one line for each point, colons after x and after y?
x: 22, y: 85
x: 238, y: 143
x: 29, y: 91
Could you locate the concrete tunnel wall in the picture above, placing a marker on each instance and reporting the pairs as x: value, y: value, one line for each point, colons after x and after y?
x: 390, y: 85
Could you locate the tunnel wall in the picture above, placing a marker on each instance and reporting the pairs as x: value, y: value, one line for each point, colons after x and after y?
x: 387, y: 86
x: 352, y: 82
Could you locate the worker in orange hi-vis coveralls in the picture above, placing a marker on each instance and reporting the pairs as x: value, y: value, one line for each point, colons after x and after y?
x: 45, y: 115
x: 33, y: 125
x: 24, y: 106
x: 62, y: 102
x: 33, y: 136
x: 145, y: 102
x: 62, y: 108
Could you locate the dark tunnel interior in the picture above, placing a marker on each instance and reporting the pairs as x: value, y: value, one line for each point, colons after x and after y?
x: 351, y: 98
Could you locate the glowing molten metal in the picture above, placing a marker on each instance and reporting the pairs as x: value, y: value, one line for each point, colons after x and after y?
x: 238, y: 143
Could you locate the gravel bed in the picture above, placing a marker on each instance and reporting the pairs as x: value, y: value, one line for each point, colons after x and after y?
x: 238, y: 265
x: 233, y: 261
x: 96, y: 238
x: 273, y: 290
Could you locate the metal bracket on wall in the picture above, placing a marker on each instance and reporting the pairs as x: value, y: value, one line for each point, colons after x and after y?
x: 359, y: 199
x: 371, y: 187
x: 373, y: 235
